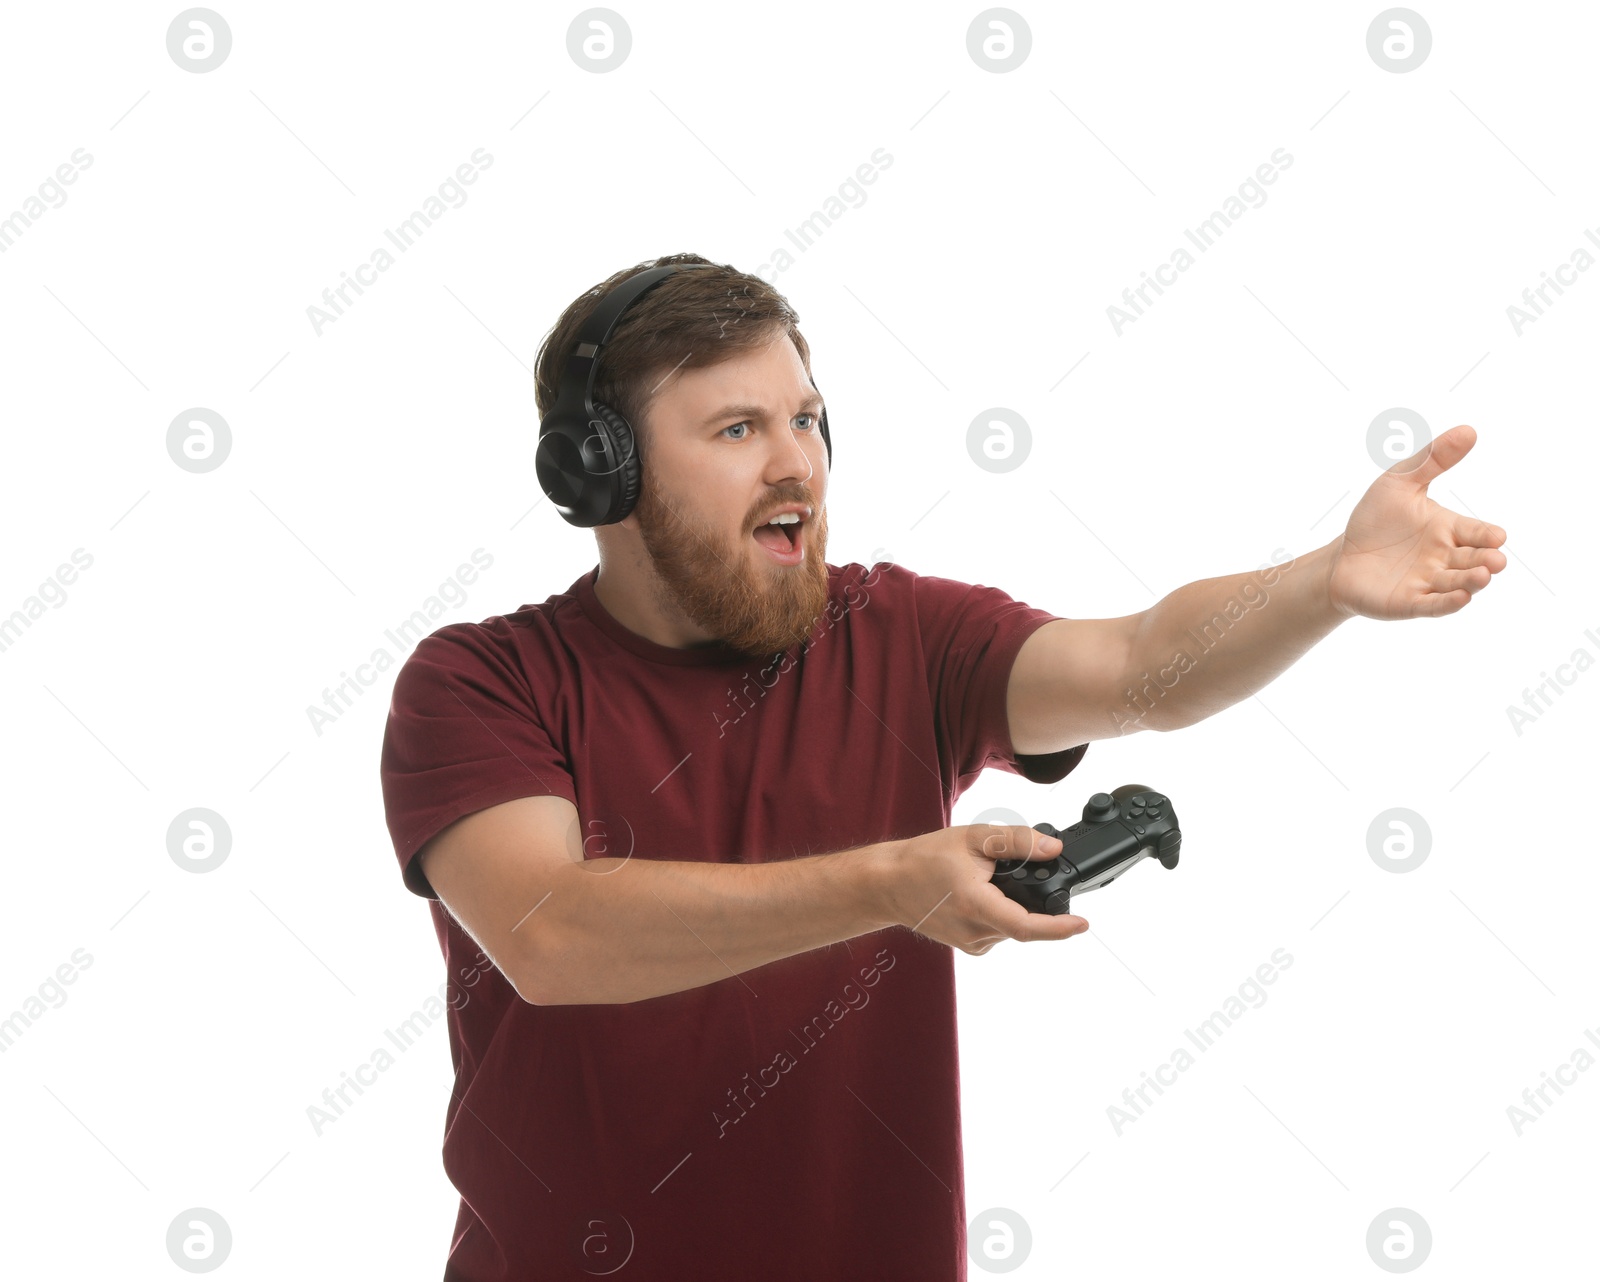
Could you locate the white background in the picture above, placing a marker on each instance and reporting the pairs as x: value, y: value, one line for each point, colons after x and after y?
x: 1228, y: 422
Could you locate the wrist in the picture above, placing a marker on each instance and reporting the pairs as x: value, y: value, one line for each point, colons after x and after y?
x: 875, y: 869
x: 1311, y: 583
x: 1327, y: 559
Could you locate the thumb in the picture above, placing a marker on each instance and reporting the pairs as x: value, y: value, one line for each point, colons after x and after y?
x: 1436, y: 457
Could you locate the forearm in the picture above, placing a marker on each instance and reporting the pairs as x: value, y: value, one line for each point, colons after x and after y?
x: 621, y: 930
x: 1212, y: 643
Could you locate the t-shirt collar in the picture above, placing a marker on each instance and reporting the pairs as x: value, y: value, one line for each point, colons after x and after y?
x: 679, y: 656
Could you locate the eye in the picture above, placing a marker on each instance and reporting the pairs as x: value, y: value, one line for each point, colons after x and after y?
x: 810, y: 426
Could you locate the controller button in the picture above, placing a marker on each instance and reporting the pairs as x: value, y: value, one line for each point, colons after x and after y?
x: 1040, y: 874
x: 1137, y: 798
x: 1138, y: 832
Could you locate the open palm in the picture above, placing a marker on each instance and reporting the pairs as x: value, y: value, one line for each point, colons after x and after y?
x: 1404, y: 556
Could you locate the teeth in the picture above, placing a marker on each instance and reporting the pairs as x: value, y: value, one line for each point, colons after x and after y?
x: 785, y: 518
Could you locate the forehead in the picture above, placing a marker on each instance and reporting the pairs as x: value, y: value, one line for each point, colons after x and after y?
x: 772, y: 375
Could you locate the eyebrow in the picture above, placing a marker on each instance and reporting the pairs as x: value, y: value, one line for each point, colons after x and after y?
x: 743, y: 411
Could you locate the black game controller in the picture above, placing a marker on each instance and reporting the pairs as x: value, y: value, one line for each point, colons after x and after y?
x: 1118, y: 829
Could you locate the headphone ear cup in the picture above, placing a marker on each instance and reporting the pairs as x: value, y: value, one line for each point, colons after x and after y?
x: 622, y: 489
x: 559, y: 464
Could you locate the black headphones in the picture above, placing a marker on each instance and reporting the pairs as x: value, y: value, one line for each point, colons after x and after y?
x: 585, y: 460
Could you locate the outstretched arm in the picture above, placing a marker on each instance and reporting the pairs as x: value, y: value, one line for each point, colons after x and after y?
x: 1212, y: 643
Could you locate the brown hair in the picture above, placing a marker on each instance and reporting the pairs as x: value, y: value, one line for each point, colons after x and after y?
x: 690, y: 319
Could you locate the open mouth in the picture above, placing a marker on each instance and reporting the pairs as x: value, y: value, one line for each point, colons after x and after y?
x: 785, y: 541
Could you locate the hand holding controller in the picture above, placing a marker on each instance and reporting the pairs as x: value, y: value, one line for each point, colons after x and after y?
x: 1117, y: 830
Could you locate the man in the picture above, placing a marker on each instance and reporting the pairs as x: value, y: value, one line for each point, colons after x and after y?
x: 695, y: 811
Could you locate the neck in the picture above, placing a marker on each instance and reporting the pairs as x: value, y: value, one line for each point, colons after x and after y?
x: 634, y: 595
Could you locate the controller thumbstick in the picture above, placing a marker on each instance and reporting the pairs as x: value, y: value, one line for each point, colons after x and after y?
x: 1100, y: 807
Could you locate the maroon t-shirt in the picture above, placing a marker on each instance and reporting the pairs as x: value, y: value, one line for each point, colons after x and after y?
x: 800, y: 1120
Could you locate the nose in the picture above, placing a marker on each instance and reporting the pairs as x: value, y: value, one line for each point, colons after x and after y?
x: 794, y: 458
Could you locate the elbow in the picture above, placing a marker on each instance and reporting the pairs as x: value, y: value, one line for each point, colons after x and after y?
x: 1159, y: 715
x: 1164, y: 727
x: 544, y: 993
x: 538, y: 981
x: 538, y: 988
x: 546, y: 977
x: 547, y: 965
x: 533, y: 996
x: 528, y: 991
x: 544, y: 983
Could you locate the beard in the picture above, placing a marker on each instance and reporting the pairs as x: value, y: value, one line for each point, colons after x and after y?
x: 750, y: 603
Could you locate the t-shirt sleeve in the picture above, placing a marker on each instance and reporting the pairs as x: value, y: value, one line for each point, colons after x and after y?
x: 970, y: 637
x: 464, y: 733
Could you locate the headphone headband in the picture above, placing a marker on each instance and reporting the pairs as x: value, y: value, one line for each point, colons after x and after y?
x: 586, y: 460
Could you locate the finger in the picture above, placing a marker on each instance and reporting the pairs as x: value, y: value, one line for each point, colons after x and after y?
x: 1472, y: 580
x: 1468, y: 531
x: 1435, y: 605
x: 1013, y: 841
x: 1443, y: 452
x: 1464, y: 558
